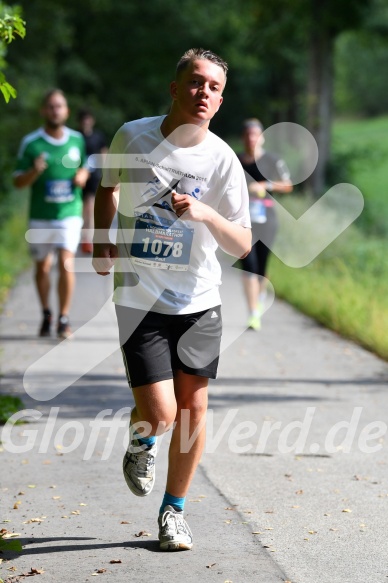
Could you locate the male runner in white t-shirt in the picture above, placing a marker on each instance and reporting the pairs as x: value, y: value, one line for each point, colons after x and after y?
x: 182, y: 194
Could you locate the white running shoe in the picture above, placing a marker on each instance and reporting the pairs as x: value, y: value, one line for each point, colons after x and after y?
x: 174, y: 532
x: 139, y: 466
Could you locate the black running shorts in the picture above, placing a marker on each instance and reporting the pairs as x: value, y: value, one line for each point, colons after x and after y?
x: 155, y: 345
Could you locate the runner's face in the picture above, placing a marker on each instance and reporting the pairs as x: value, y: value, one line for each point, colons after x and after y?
x: 55, y: 111
x: 252, y: 136
x: 198, y: 91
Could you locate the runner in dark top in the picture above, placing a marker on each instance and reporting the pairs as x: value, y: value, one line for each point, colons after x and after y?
x: 95, y: 144
x: 265, y: 173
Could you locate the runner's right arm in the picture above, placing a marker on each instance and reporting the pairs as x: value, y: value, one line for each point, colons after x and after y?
x: 28, y: 177
x: 105, y: 253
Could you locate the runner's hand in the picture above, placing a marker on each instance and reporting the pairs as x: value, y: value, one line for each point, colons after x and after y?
x: 190, y: 207
x: 40, y: 164
x: 257, y: 188
x: 104, y: 257
x: 81, y: 177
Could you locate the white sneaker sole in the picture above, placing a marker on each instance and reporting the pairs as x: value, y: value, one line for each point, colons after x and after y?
x: 175, y: 546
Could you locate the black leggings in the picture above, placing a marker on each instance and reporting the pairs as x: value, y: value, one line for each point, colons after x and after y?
x: 256, y: 260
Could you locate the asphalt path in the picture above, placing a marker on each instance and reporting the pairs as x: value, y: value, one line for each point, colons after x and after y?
x: 292, y: 485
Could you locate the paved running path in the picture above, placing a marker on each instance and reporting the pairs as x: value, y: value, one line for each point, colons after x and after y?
x: 249, y: 481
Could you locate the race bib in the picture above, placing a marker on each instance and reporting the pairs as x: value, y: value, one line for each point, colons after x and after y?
x: 59, y: 191
x: 162, y: 247
x: 258, y: 211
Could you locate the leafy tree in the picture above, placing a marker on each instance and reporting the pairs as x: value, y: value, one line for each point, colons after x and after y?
x: 11, y: 25
x: 118, y: 58
x: 361, y: 56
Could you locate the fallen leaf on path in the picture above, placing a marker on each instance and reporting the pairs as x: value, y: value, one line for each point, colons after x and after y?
x: 57, y: 497
x: 35, y: 571
x: 299, y: 492
x: 143, y: 533
x: 16, y: 506
x: 31, y: 486
x: 21, y: 493
x: 100, y: 570
x: 125, y: 522
x: 33, y: 520
x: 210, y: 566
x: 75, y: 512
x: 257, y: 532
x: 346, y: 510
x: 114, y: 561
x: 82, y: 504
x: 7, y: 534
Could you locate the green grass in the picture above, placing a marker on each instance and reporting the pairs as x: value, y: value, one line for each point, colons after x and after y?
x: 14, y: 256
x: 364, y: 146
x: 344, y: 288
x: 8, y: 406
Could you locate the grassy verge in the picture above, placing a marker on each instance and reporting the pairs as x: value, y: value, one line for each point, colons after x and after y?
x: 344, y: 288
x: 14, y: 255
x: 14, y: 258
x: 363, y: 146
x: 8, y: 406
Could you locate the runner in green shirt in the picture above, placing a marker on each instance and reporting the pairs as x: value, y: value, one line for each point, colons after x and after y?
x: 52, y: 162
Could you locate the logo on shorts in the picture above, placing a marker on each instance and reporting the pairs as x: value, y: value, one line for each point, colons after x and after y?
x: 214, y: 314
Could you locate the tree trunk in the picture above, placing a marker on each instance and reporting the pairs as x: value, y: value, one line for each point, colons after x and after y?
x: 320, y: 95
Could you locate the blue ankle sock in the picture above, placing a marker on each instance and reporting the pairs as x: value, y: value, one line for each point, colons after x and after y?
x: 177, y: 503
x: 145, y: 440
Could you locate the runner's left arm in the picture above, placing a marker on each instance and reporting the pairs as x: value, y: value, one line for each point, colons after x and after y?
x: 231, y: 237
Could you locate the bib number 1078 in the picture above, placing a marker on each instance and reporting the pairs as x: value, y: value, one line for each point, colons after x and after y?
x: 163, y: 248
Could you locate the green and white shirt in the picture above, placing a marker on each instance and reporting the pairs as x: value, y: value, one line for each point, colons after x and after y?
x: 53, y: 194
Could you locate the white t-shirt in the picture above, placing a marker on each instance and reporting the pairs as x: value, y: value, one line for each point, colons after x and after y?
x: 165, y: 263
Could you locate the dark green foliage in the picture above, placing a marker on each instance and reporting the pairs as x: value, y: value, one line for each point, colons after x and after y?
x: 8, y: 406
x: 118, y: 58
